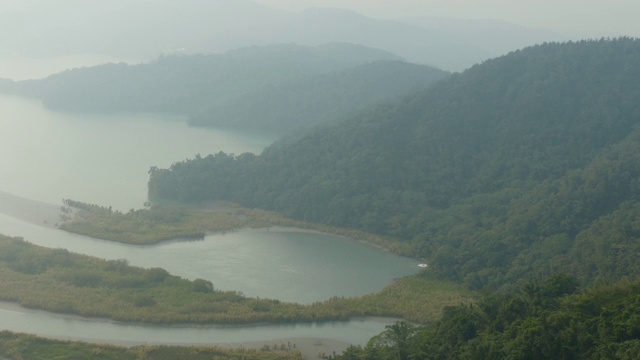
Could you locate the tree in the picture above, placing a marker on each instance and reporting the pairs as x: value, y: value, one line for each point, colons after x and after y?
x: 395, y: 340
x: 203, y: 286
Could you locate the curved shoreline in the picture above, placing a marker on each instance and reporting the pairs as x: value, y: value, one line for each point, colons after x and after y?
x: 48, y: 215
x: 309, y: 346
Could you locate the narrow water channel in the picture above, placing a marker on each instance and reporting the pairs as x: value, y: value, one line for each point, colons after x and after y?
x: 41, y: 323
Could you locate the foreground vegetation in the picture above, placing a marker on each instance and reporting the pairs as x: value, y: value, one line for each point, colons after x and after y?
x: 21, y: 346
x: 59, y: 281
x: 553, y: 319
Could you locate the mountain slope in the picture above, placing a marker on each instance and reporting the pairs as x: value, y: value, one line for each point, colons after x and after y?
x: 510, y: 169
x: 416, y: 44
x: 318, y: 99
x: 550, y: 319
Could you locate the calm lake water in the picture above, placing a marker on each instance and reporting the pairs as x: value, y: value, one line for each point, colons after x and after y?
x: 277, y: 263
x: 102, y: 159
x: 49, y: 156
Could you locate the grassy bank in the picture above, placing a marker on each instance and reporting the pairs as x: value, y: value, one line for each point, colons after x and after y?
x: 59, y: 281
x: 21, y: 346
x: 167, y: 222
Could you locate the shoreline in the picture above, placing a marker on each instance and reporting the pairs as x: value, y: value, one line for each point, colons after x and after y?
x: 49, y: 215
x: 310, y: 347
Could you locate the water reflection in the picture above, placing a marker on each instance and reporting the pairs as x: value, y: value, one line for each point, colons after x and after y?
x: 296, y: 266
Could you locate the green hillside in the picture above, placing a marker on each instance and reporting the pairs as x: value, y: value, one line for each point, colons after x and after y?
x: 319, y: 99
x: 548, y: 320
x: 522, y: 166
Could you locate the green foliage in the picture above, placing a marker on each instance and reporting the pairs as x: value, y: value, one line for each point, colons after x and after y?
x: 144, y: 301
x: 319, y: 99
x: 395, y: 340
x: 56, y: 280
x: 81, y: 278
x: 148, y: 226
x: 203, y: 286
x: 548, y: 320
x: 171, y: 222
x: 157, y: 275
x: 21, y: 346
x: 520, y: 167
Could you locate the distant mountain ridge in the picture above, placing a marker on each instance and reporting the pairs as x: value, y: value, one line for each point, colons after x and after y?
x: 495, y: 37
x: 522, y: 166
x: 442, y: 44
x: 184, y: 84
x: 146, y: 30
x: 272, y: 89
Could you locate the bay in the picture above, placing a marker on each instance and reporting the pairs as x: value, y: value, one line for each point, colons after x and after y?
x: 47, y: 156
x: 280, y: 263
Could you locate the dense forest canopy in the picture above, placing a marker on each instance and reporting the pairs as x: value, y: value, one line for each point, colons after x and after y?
x: 522, y: 166
x: 320, y: 99
x: 551, y: 319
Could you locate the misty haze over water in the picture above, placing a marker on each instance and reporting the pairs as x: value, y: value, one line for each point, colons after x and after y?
x: 102, y: 159
x: 471, y: 237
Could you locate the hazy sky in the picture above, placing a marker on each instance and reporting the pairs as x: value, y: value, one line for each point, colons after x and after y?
x: 591, y: 17
x: 571, y: 19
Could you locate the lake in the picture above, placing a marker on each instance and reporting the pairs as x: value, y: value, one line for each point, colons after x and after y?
x: 279, y: 263
x: 104, y: 159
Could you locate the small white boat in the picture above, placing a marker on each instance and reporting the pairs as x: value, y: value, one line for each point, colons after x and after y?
x: 422, y: 265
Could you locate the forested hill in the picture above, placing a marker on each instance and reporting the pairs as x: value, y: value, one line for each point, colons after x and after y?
x: 522, y: 166
x: 318, y: 99
x: 550, y: 319
x: 273, y: 89
x: 187, y: 84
